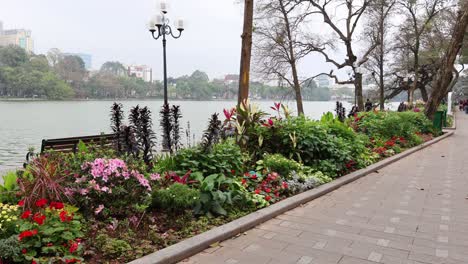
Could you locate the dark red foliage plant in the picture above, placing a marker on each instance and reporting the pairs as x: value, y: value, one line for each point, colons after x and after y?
x: 44, y: 178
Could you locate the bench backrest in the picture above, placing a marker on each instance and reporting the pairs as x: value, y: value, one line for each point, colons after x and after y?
x: 71, y: 144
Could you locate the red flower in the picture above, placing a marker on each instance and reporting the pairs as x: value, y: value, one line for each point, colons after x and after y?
x: 56, y: 205
x: 285, y: 185
x: 21, y: 203
x: 268, y: 190
x: 24, y: 251
x: 73, y: 260
x: 73, y: 247
x: 244, y: 181
x: 254, y: 176
x: 268, y: 198
x: 27, y: 233
x: 39, y: 218
x: 390, y: 143
x: 257, y: 191
x: 64, y: 217
x: 33, y: 262
x: 229, y: 113
x: 41, y: 202
x: 50, y: 244
x: 269, y: 123
x: 233, y: 172
x: 277, y: 194
x: 276, y: 106
x: 26, y: 214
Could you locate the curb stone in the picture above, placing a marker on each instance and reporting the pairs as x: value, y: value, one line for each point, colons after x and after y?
x: 198, y: 243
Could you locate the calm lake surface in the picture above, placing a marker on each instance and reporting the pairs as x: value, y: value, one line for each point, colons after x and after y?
x: 23, y: 124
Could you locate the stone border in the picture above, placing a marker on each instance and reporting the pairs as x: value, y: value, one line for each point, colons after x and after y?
x: 198, y: 243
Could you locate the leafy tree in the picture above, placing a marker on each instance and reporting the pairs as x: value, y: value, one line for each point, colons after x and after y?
x: 12, y: 56
x: 113, y: 67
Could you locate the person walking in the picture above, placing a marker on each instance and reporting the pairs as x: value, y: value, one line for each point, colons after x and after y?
x: 368, y: 106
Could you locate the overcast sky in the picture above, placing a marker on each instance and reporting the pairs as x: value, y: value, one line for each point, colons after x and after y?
x: 112, y: 30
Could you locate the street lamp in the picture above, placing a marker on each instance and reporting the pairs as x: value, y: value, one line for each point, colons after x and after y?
x: 160, y: 28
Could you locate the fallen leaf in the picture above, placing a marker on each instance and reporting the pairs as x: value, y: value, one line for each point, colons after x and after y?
x: 214, y: 244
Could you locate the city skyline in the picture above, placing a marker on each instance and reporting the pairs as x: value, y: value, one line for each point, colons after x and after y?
x: 117, y: 31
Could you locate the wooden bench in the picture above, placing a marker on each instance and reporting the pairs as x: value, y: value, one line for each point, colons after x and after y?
x: 71, y: 144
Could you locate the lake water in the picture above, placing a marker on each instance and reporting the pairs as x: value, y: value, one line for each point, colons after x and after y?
x: 23, y: 124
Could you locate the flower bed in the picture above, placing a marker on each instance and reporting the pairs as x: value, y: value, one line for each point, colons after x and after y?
x: 115, y: 205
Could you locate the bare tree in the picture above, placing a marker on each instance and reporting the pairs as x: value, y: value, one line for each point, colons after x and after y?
x: 379, y: 13
x: 354, y: 12
x: 277, y: 46
x: 246, y: 51
x: 445, y: 75
x: 418, y: 17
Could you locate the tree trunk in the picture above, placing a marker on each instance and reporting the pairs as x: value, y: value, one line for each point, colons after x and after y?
x: 444, y: 76
x: 358, y: 88
x: 381, y: 56
x: 292, y: 61
x: 297, y: 89
x: 246, y: 51
x: 424, y: 94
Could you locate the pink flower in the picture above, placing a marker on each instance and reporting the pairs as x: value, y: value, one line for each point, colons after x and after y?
x: 133, y: 220
x: 99, y: 209
x: 84, y: 191
x: 155, y: 176
x: 276, y: 106
x: 229, y: 113
x: 269, y: 123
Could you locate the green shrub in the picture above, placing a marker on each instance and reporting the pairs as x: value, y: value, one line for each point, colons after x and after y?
x: 225, y: 157
x: 10, y: 249
x: 217, y: 192
x: 278, y: 163
x: 9, y: 188
x: 112, y: 247
x: 311, y: 143
x: 385, y: 125
x: 176, y: 198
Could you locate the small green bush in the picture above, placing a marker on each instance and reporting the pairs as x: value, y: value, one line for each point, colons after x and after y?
x: 225, y: 157
x: 9, y: 188
x: 278, y: 163
x: 176, y: 198
x: 112, y: 247
x: 385, y: 125
x: 10, y: 249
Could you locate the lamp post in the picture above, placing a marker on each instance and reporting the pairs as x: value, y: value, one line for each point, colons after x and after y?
x: 160, y: 28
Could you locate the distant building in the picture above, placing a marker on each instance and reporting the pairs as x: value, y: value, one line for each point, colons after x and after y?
x: 323, y: 81
x: 87, y: 59
x: 231, y: 78
x: 17, y: 37
x: 141, y: 71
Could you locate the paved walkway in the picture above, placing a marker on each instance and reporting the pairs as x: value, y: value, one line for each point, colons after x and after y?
x: 412, y: 212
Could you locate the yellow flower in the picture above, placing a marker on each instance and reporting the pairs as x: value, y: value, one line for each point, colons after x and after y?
x: 4, y: 212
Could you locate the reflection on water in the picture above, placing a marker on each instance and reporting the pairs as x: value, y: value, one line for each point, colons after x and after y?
x: 23, y: 124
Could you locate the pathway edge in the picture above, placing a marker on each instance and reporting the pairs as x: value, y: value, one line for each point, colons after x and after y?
x: 198, y: 243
